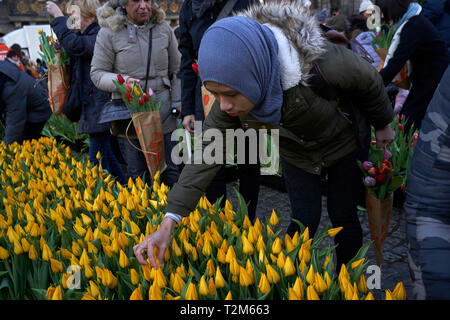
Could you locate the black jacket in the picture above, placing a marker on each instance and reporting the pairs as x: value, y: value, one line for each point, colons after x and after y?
x: 191, y: 33
x: 22, y: 101
x: 420, y: 43
x: 80, y: 47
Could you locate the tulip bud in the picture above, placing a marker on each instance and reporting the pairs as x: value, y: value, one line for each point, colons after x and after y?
x: 334, y: 231
x: 380, y: 178
x: 311, y: 294
x: 137, y: 294
x: 400, y: 127
x: 229, y: 296
x: 399, y: 292
x: 203, y: 287
x: 150, y: 93
x: 120, y: 79
x: 273, y: 219
x: 56, y: 266
x: 145, y: 97
x: 219, y: 280
x: 387, y: 154
x: 141, y: 102
x: 373, y: 171
x: 134, y: 277
x: 264, y: 285
x: 289, y: 268
x: 4, y: 254
x: 367, y: 165
x: 276, y: 246
x: 369, y: 181
x: 191, y: 293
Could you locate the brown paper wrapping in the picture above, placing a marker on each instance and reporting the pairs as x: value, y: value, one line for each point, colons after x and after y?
x: 149, y: 131
x: 58, y: 84
x: 379, y: 215
x: 401, y: 80
x: 207, y: 100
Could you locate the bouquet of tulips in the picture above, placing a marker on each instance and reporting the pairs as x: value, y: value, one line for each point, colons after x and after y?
x: 135, y: 98
x: 67, y: 231
x: 57, y: 60
x: 147, y: 122
x: 384, y: 172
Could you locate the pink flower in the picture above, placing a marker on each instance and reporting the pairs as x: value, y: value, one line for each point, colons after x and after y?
x: 369, y: 181
x: 367, y: 165
x: 150, y: 92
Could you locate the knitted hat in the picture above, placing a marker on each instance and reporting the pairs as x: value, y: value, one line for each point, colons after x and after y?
x: 365, y: 5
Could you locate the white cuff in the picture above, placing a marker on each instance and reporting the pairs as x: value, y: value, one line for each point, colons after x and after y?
x: 173, y: 216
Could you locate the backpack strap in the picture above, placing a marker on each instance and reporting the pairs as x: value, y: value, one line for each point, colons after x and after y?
x: 226, y: 10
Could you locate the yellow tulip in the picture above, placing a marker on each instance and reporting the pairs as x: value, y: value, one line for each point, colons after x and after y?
x: 17, y: 248
x: 229, y: 296
x: 56, y: 265
x: 273, y: 219
x: 260, y: 245
x: 247, y: 247
x: 357, y: 264
x: 219, y: 281
x: 302, y: 266
x: 178, y: 283
x: 154, y: 292
x: 46, y: 253
x: 272, y: 274
x: 264, y: 285
x: 234, y: 267
x: 276, y: 246
x: 25, y: 244
x: 4, y: 254
x: 298, y: 288
x: 49, y: 293
x: 94, y: 291
x: 311, y: 294
x: 310, y: 275
x: 333, y: 232
x: 191, y: 292
x: 320, y: 284
x: 289, y: 268
x: 230, y: 254
x: 210, y: 268
x: 137, y: 294
x: 221, y: 256
x: 369, y: 296
x: 160, y: 279
x: 362, y: 284
x: 134, y: 277
x: 293, y: 295
x: 327, y: 279
x: 244, y: 279
x: 203, y: 287
x: 123, y: 260
x: 32, y: 253
x: 399, y: 292
x: 57, y: 294
x: 211, y: 287
x: 176, y: 249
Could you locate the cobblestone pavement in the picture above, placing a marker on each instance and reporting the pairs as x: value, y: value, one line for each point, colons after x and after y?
x: 395, y: 263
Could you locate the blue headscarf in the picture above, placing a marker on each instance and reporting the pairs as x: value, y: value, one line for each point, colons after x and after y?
x: 243, y: 54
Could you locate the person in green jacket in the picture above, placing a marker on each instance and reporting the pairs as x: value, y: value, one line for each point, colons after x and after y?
x: 259, y: 65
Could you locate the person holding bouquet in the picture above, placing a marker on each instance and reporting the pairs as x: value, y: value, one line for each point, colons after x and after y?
x: 79, y: 43
x: 418, y: 41
x: 271, y: 84
x: 136, y: 42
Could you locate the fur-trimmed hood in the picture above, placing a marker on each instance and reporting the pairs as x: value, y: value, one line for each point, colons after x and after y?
x: 299, y: 37
x: 112, y: 17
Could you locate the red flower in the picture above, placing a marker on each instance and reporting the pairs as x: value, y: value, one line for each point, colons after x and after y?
x: 145, y: 97
x: 120, y: 79
x: 128, y: 95
x: 385, y: 169
x: 387, y: 163
x: 373, y: 171
x: 195, y: 67
x: 400, y: 127
x: 141, y: 102
x: 381, y: 178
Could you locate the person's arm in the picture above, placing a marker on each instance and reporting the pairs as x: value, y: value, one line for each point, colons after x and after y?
x: 410, y: 38
x: 73, y: 43
x: 433, y: 10
x: 187, y: 74
x: 102, y: 65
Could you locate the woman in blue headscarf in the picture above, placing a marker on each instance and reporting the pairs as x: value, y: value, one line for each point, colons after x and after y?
x: 261, y: 66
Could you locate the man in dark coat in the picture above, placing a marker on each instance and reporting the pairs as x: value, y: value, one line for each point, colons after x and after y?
x: 24, y: 104
x: 438, y: 12
x: 195, y: 17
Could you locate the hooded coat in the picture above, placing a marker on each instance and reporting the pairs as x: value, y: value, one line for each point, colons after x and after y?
x: 122, y: 48
x: 22, y: 101
x: 313, y: 132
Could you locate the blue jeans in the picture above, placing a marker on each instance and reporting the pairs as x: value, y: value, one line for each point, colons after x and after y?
x: 344, y: 183
x: 101, y: 142
x: 137, y: 166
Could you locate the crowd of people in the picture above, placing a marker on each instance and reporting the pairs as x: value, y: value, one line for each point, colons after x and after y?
x: 258, y: 60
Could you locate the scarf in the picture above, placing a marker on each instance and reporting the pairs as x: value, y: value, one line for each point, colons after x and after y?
x: 243, y: 54
x: 199, y: 7
x: 414, y: 9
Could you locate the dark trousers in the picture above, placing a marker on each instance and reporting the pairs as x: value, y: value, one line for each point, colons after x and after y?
x: 102, y: 142
x: 137, y: 166
x: 249, y: 181
x: 344, y: 184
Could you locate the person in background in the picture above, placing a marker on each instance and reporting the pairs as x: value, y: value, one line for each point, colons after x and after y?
x: 122, y: 47
x: 18, y: 49
x: 4, y: 49
x: 24, y: 105
x: 337, y: 21
x: 438, y: 12
x: 416, y: 40
x: 366, y: 8
x: 427, y: 204
x: 79, y: 44
x: 195, y: 17
x: 322, y: 16
x: 269, y: 86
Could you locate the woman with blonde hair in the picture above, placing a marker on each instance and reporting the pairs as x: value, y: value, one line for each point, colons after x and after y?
x: 77, y: 35
x: 136, y: 41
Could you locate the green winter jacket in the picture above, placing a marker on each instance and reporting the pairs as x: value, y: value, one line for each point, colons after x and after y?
x: 314, y: 132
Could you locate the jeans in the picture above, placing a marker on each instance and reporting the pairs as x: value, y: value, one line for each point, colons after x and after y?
x: 344, y: 183
x: 137, y: 166
x: 102, y: 142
